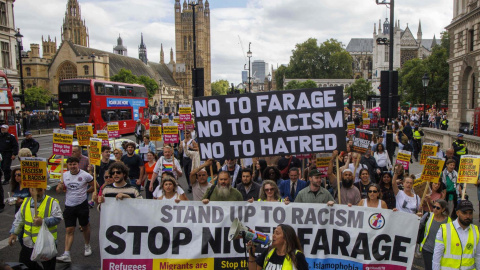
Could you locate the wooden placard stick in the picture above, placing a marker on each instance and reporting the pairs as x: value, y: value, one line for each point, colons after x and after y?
x: 464, y: 190
x: 425, y: 192
x: 338, y: 183
x: 94, y: 180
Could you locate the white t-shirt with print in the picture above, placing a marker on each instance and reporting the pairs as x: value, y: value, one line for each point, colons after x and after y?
x: 77, y: 186
x: 406, y: 203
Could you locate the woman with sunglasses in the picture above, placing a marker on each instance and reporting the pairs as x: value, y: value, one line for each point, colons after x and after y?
x: 108, y: 180
x: 118, y: 153
x: 373, y: 198
x: 269, y: 192
x: 15, y: 184
x: 432, y: 223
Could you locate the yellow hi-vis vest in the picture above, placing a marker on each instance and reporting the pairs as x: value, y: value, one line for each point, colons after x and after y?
x: 463, y: 150
x: 44, y: 210
x: 287, y: 262
x: 453, y: 256
x: 427, y: 228
x: 416, y: 135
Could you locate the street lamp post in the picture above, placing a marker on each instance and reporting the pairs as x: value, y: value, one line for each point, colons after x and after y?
x: 269, y: 82
x: 249, y: 55
x: 93, y: 65
x: 425, y: 81
x: 19, y: 37
x: 161, y: 96
x: 193, y: 4
x: 390, y: 146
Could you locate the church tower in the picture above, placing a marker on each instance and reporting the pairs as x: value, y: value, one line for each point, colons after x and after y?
x: 142, y: 51
x: 74, y: 28
x: 184, y: 41
x: 120, y: 49
x: 49, y: 48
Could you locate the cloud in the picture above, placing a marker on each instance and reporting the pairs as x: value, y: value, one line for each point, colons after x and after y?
x: 273, y: 27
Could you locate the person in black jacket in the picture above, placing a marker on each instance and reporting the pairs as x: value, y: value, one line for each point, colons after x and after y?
x: 9, y: 151
x: 30, y: 143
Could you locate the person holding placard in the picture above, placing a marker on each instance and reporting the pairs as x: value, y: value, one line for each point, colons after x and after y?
x: 199, y: 180
x: 350, y: 164
x: 83, y: 161
x: 269, y: 192
x: 449, y: 178
x: 75, y: 183
x: 146, y: 146
x: 166, y: 163
x: 449, y: 154
x: 373, y: 198
x: 27, y: 225
x: 349, y: 194
x: 289, y: 188
x: 234, y: 170
x: 190, y: 144
x: 438, y: 192
x: 406, y: 200
x: 457, y: 244
x: 105, y: 162
x: 315, y: 193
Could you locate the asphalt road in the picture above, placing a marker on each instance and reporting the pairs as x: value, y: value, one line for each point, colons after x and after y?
x: 10, y: 254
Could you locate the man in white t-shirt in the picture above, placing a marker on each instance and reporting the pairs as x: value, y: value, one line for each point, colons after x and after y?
x: 76, y: 183
x: 199, y: 180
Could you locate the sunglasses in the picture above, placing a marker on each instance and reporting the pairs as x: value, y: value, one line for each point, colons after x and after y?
x: 268, y: 189
x: 107, y: 176
x: 116, y: 172
x: 18, y: 174
x: 436, y: 207
x: 373, y: 191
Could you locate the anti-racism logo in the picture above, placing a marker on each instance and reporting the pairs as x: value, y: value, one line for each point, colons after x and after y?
x: 376, y: 221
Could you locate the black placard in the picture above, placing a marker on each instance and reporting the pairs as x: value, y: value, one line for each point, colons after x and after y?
x: 271, y: 123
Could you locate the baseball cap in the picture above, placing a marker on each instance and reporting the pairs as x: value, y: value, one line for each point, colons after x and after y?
x: 4, y: 126
x: 459, y: 135
x: 28, y: 133
x: 314, y: 172
x: 464, y: 205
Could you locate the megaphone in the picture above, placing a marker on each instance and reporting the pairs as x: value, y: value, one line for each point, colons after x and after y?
x: 238, y: 231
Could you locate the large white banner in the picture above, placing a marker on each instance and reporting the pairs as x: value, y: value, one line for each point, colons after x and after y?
x: 151, y: 234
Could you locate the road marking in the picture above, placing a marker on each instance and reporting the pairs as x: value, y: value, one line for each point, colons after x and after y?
x: 4, y: 243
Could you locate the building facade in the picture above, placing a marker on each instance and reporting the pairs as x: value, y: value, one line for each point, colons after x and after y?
x: 464, y: 62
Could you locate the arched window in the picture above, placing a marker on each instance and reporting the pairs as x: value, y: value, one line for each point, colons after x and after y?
x: 185, y: 43
x: 66, y: 70
x: 29, y: 71
x: 85, y: 70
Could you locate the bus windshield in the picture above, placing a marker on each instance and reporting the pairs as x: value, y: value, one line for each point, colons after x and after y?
x: 75, y: 99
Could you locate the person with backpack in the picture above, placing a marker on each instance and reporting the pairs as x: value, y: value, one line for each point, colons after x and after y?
x: 287, y: 162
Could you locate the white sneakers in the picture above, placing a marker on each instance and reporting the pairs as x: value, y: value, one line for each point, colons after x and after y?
x: 88, y: 250
x: 64, y: 258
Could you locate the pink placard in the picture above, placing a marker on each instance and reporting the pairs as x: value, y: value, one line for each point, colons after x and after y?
x: 323, y: 171
x: 351, y: 132
x: 190, y: 126
x: 113, y: 134
x: 303, y: 156
x: 185, y: 117
x: 62, y: 149
x: 366, y: 126
x: 170, y: 138
x: 105, y: 143
x: 181, y: 126
x: 405, y: 164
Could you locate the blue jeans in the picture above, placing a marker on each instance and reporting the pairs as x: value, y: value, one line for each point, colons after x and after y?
x: 133, y: 182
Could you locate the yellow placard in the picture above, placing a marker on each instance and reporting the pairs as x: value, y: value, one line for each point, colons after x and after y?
x: 95, y: 151
x: 102, y: 134
x: 155, y: 132
x: 84, y: 133
x: 403, y: 155
x: 468, y: 169
x: 176, y: 119
x: 364, y: 115
x: 185, y: 109
x: 428, y: 149
x: 432, y: 169
x: 366, y: 121
x: 62, y: 136
x: 170, y: 129
x: 165, y: 120
x: 113, y: 126
x: 34, y: 172
x: 323, y: 162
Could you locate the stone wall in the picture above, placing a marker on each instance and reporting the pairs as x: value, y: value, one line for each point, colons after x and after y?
x: 446, y: 138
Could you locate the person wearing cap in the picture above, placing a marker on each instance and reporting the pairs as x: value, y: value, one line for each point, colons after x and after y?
x: 457, y: 242
x: 140, y: 131
x: 9, y: 151
x: 315, y: 193
x: 349, y: 194
x: 417, y: 141
x: 30, y: 143
x: 460, y: 146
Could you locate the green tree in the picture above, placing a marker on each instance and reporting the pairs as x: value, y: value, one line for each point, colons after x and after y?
x: 124, y: 75
x: 304, y: 62
x: 410, y: 81
x: 280, y: 75
x: 361, y: 89
x: 220, y: 87
x: 300, y: 85
x: 149, y: 83
x: 36, y: 97
x: 309, y: 84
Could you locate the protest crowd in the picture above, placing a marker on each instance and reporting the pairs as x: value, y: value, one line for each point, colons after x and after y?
x: 360, y: 176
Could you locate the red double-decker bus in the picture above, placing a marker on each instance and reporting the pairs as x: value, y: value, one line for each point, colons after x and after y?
x: 100, y: 102
x: 7, y: 107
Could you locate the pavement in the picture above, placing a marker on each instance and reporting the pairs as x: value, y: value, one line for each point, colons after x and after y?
x: 10, y: 254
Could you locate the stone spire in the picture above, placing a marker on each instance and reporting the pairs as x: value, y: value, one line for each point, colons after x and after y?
x: 171, y: 56
x: 419, y: 32
x: 142, y: 51
x: 162, y: 56
x: 374, y: 28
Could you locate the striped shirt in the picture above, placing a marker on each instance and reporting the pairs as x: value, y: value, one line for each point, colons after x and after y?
x: 112, y: 191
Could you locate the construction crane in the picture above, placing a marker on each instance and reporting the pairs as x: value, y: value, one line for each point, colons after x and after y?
x: 243, y: 51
